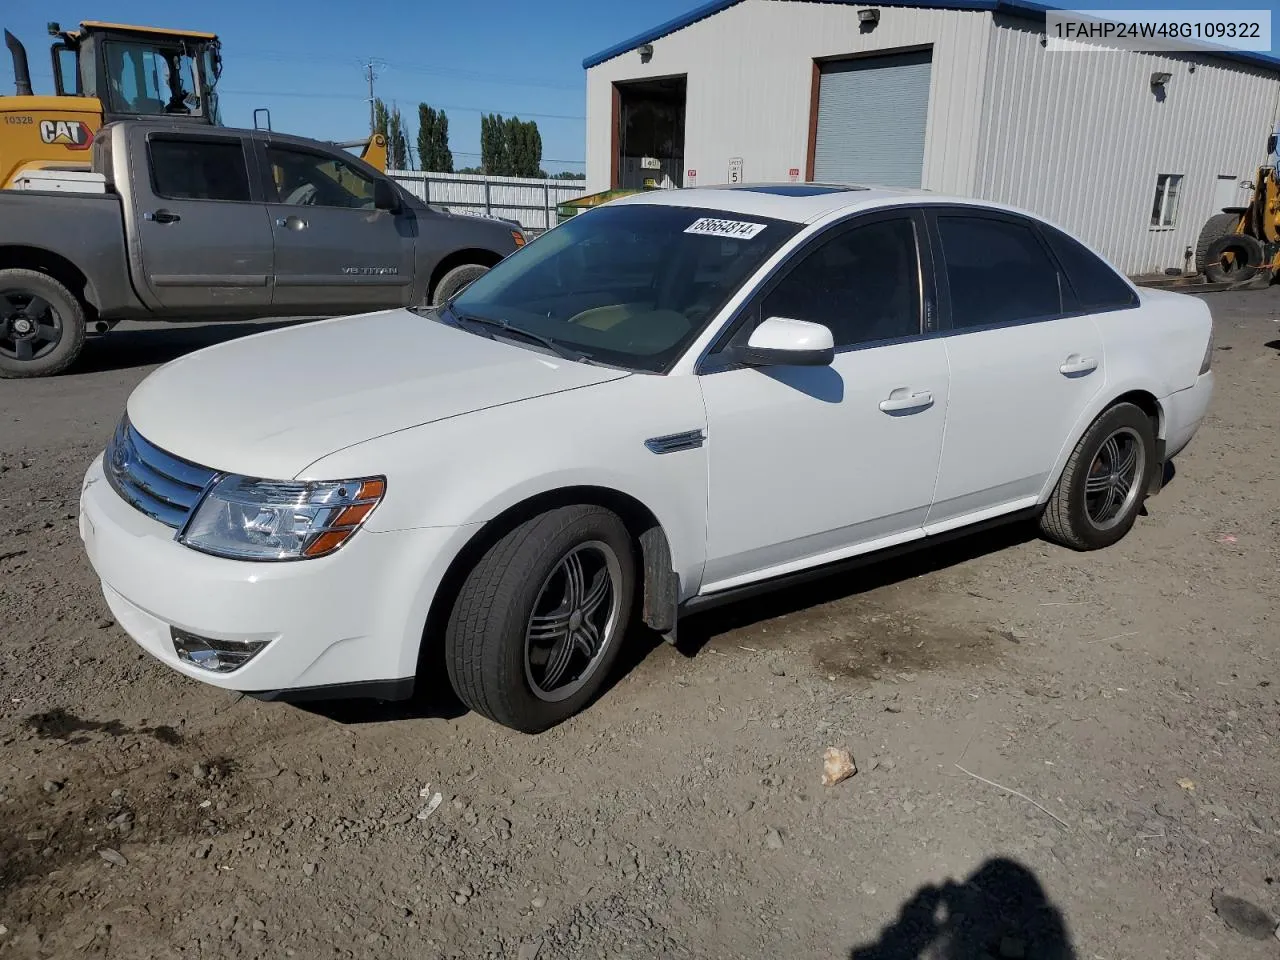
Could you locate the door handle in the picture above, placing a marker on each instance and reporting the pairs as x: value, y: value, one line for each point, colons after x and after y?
x: 161, y: 216
x: 291, y: 223
x: 1078, y: 364
x: 900, y: 401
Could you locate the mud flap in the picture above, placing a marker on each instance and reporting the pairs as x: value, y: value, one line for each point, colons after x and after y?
x: 661, y: 584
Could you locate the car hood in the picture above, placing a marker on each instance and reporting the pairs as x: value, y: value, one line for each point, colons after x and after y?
x: 269, y: 405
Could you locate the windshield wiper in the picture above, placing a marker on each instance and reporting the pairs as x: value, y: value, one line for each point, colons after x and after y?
x: 559, y: 349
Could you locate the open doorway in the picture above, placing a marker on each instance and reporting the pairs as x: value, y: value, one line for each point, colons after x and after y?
x: 648, y: 133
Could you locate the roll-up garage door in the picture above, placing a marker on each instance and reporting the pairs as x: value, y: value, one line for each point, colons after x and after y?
x: 872, y: 113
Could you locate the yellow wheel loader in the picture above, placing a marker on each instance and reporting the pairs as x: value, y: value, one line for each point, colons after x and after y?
x: 103, y: 72
x: 1242, y: 244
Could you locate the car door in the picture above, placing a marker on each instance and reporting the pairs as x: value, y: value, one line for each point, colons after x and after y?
x: 333, y: 248
x: 810, y: 464
x: 202, y: 237
x: 1024, y: 363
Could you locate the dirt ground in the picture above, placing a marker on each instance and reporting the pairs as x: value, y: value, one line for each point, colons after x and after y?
x: 1129, y: 697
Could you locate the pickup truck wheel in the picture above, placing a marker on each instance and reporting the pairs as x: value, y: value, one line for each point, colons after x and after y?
x: 42, y: 325
x: 540, y: 619
x: 456, y: 280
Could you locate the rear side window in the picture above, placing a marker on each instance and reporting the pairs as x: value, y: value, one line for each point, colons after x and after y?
x: 199, y: 170
x: 1096, y: 285
x: 998, y: 270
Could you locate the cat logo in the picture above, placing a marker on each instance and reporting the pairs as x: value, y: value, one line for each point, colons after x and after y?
x: 72, y: 134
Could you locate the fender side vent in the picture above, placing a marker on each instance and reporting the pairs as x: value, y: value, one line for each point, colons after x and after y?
x: 674, y: 442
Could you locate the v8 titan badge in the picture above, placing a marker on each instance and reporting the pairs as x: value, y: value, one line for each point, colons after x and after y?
x: 72, y: 134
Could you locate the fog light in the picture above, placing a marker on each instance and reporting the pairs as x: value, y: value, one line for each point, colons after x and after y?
x: 216, y: 656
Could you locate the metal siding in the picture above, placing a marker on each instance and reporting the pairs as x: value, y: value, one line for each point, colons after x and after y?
x: 750, y: 70
x: 872, y: 115
x: 1080, y: 138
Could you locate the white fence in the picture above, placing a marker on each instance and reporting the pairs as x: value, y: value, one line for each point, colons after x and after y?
x: 532, y: 202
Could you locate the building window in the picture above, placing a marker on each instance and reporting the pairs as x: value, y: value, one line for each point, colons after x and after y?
x: 1164, y: 212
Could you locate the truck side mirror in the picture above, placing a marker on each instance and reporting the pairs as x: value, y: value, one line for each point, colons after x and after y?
x: 385, y: 196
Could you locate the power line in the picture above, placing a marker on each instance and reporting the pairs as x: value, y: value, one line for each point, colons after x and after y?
x: 401, y: 67
x: 445, y: 106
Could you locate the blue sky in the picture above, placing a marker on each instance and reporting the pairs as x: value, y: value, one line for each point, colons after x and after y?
x: 306, y: 60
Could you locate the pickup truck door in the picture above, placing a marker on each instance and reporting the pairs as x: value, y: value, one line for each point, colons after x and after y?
x: 333, y: 248
x: 200, y: 238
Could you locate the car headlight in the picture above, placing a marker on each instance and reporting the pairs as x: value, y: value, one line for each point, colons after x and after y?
x: 247, y: 519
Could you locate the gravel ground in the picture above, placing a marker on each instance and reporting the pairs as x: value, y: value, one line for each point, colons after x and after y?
x: 1060, y: 755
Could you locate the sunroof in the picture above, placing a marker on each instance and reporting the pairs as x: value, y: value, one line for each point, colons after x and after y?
x: 798, y: 189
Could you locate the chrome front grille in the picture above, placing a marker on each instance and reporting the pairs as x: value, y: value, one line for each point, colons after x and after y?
x: 159, y: 484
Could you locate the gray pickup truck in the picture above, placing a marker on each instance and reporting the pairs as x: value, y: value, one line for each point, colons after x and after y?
x: 220, y: 223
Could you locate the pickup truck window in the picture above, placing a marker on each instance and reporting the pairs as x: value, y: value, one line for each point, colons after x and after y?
x: 307, y: 179
x: 198, y: 169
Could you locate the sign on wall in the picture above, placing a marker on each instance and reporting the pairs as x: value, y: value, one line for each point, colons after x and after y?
x: 735, y: 169
x: 691, y: 177
x: 794, y: 174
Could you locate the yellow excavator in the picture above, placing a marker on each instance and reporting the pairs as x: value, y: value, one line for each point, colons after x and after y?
x: 103, y: 72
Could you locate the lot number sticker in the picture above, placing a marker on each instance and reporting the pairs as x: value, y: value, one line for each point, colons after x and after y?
x: 738, y: 229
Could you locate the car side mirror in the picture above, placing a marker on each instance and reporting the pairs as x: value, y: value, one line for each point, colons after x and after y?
x: 385, y: 196
x: 781, y: 341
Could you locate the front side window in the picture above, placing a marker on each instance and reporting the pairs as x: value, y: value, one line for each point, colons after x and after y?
x: 198, y: 169
x: 631, y: 285
x: 307, y: 179
x: 864, y: 285
x: 998, y: 272
x: 147, y: 80
x: 1164, y: 211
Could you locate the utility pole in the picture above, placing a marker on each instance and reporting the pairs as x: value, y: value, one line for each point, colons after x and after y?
x: 369, y: 71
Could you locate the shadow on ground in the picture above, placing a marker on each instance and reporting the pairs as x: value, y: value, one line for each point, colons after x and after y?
x: 141, y: 345
x: 1273, y: 344
x: 999, y: 911
x: 700, y: 628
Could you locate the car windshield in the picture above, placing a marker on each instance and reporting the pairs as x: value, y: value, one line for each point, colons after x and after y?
x: 629, y: 285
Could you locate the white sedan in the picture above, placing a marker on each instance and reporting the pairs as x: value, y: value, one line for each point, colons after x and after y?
x: 664, y: 402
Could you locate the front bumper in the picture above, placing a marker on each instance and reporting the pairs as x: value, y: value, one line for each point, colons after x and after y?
x: 345, y: 623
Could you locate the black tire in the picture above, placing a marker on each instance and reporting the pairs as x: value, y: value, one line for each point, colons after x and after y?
x: 37, y: 341
x: 1217, y: 226
x: 1067, y: 518
x: 1235, y: 258
x: 456, y: 280
x: 487, y: 650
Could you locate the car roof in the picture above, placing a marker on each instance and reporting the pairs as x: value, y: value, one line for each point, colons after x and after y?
x: 799, y: 202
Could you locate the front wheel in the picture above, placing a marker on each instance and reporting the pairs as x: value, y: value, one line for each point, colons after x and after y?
x: 457, y: 280
x: 540, y: 619
x: 42, y: 324
x: 1104, y: 483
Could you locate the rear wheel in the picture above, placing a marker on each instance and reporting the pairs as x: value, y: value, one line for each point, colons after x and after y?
x: 1234, y: 258
x: 1216, y: 227
x: 42, y: 324
x: 457, y: 280
x: 540, y: 619
x: 1104, y: 483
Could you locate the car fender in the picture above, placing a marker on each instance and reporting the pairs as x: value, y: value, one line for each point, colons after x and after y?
x: 470, y: 469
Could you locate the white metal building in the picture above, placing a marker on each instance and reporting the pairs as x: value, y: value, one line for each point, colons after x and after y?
x: 955, y: 97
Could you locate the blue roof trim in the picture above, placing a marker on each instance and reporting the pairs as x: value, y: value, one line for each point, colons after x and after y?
x: 1024, y: 8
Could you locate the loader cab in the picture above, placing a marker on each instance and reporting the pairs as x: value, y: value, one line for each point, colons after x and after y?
x: 139, y: 71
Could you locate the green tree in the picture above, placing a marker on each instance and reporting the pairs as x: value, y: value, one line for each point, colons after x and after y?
x: 510, y: 147
x: 390, y: 124
x: 433, y: 140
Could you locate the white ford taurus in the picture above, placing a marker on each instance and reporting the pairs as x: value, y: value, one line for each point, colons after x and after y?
x: 661, y: 403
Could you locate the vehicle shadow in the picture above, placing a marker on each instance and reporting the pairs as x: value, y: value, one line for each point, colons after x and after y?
x: 699, y: 628
x: 142, y: 345
x: 1273, y: 344
x: 1000, y: 910
x: 433, y: 699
